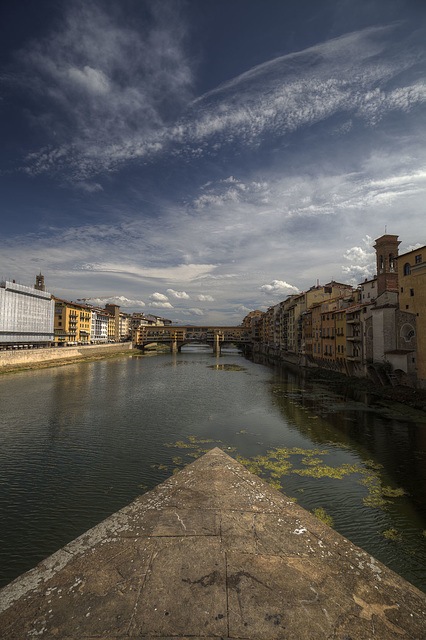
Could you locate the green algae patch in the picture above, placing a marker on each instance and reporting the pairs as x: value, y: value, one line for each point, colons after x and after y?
x: 374, y: 497
x: 196, y: 440
x: 388, y: 492
x: 311, y: 461
x: 375, y: 466
x: 227, y: 367
x: 324, y: 471
x: 274, y: 483
x: 283, y: 461
x: 160, y: 467
x: 392, y: 534
x: 322, y: 515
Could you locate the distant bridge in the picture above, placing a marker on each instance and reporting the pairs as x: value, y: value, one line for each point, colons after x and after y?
x: 178, y: 336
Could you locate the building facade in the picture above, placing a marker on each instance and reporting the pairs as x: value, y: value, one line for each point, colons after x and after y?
x: 412, y: 300
x: 72, y: 323
x: 26, y: 316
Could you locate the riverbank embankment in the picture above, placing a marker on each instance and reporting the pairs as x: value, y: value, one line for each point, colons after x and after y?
x: 414, y: 398
x: 338, y: 381
x: 213, y: 551
x: 21, y: 360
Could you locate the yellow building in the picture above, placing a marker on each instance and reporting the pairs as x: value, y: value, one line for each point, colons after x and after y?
x: 111, y: 327
x: 412, y: 299
x: 72, y: 323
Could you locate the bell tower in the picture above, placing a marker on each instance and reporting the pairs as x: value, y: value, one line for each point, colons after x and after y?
x: 39, y: 283
x: 386, y: 259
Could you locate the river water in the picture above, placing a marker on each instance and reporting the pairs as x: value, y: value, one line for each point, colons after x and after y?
x: 81, y: 441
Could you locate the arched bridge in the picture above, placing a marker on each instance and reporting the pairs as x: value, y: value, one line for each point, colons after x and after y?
x: 178, y: 336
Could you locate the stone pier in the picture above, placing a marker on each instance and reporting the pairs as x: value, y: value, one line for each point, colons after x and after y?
x: 212, y: 552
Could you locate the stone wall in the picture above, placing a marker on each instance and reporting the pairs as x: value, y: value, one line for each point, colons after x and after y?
x: 35, y: 356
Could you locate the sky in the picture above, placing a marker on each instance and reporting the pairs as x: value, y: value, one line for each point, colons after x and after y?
x: 200, y: 159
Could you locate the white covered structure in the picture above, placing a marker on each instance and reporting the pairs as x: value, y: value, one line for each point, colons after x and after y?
x: 99, y: 326
x: 26, y: 315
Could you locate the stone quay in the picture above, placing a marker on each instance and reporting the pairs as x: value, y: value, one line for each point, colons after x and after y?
x: 212, y: 552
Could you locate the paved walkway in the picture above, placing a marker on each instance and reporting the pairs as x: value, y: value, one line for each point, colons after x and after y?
x: 213, y: 552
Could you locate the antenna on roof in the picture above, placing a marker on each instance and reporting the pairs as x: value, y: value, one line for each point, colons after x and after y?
x: 386, y: 228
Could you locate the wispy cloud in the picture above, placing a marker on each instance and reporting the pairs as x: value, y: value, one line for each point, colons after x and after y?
x: 192, y: 312
x: 102, y: 81
x: 123, y: 102
x: 161, y: 305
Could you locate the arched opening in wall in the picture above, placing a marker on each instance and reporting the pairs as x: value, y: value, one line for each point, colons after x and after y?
x: 407, y: 332
x: 391, y: 262
x: 381, y: 263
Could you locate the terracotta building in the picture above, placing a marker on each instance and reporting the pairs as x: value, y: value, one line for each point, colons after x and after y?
x: 412, y: 300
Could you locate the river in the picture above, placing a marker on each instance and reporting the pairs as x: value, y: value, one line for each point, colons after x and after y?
x: 79, y: 442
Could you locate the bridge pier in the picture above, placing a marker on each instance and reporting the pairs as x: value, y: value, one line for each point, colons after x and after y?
x: 174, y: 347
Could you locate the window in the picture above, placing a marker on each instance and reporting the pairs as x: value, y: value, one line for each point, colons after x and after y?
x: 407, y: 269
x: 411, y: 292
x: 418, y: 258
x: 402, y: 289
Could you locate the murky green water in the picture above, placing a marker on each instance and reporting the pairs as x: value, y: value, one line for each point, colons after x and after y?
x: 79, y: 442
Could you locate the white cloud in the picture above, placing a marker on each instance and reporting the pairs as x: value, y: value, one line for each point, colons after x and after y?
x: 412, y: 247
x: 362, y: 261
x: 158, y: 297
x: 279, y: 287
x: 122, y: 301
x: 181, y: 295
x: 205, y: 298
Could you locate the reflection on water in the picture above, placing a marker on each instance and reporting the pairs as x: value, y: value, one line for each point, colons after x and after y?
x: 80, y: 442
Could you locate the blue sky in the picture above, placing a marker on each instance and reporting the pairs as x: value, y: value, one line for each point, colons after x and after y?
x: 201, y: 159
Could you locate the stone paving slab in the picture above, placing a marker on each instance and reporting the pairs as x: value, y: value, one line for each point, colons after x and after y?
x: 212, y: 552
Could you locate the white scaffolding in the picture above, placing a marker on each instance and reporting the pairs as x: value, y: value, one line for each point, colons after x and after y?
x: 26, y: 315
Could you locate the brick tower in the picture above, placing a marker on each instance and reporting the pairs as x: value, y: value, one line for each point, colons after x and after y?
x: 387, y: 271
x: 39, y: 284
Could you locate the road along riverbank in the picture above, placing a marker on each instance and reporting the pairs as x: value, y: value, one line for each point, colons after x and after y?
x: 21, y: 360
